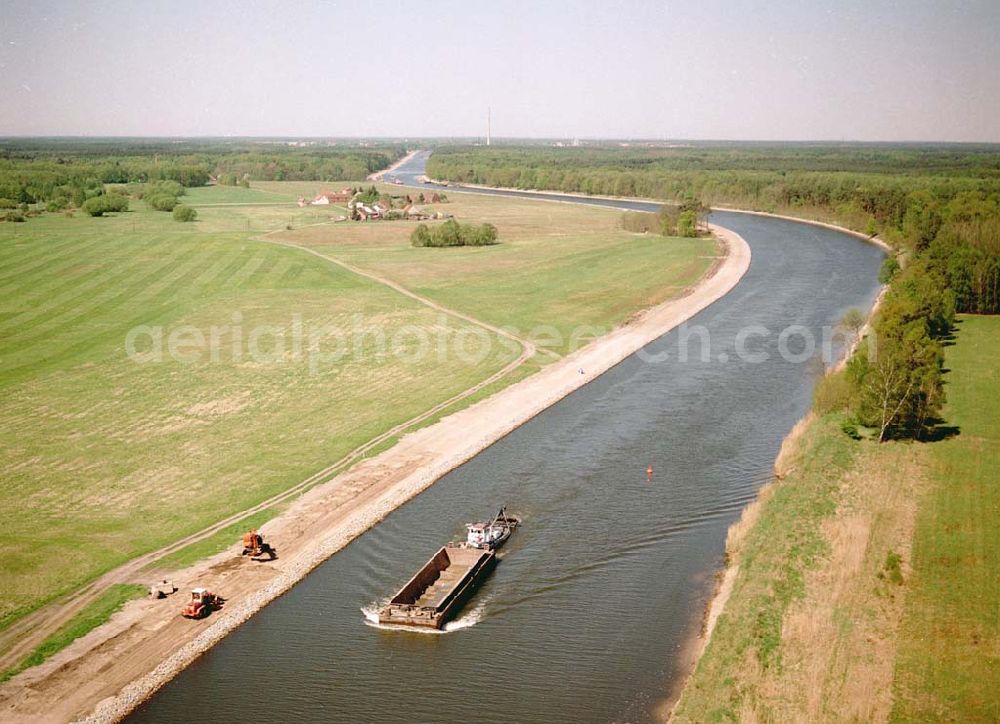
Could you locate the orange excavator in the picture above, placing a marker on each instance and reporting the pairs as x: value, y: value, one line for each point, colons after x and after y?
x: 255, y: 547
x: 202, y: 603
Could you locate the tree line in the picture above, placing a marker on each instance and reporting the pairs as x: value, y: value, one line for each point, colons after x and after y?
x: 68, y: 173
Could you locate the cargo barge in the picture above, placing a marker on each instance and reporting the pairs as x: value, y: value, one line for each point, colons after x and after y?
x: 438, y: 590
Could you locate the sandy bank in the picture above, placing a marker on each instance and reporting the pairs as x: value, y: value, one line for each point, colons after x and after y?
x: 812, y: 222
x: 379, y: 175
x: 106, y: 674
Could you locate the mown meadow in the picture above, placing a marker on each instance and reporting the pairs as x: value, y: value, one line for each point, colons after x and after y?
x: 108, y: 455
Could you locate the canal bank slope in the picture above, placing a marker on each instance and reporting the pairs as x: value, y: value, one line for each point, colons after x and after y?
x: 110, y: 671
x: 855, y: 582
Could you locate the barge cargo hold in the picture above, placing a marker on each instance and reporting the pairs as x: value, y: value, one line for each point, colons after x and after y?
x: 439, y: 589
x: 432, y: 597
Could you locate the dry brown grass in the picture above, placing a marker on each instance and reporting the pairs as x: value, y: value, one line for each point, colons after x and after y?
x: 838, y: 643
x: 829, y: 653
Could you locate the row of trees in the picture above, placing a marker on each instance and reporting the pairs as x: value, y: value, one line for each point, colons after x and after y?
x: 895, y: 380
x: 452, y: 233
x: 306, y: 164
x: 882, y: 197
x: 910, y: 159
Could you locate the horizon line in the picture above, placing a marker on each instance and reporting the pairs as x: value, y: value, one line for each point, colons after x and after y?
x: 397, y: 138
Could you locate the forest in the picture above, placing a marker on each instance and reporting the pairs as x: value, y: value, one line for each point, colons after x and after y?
x: 67, y: 172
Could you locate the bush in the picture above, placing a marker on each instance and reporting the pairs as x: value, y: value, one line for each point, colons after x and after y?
x: 451, y: 233
x: 892, y: 570
x: 13, y: 215
x: 162, y: 195
x: 889, y: 269
x: 484, y: 235
x: 850, y: 428
x: 56, y: 205
x: 687, y: 224
x: 94, y: 206
x: 421, y: 236
x: 161, y: 201
x: 101, y: 205
x: 166, y: 188
x: 853, y: 320
x: 184, y: 213
x: 663, y: 222
x: 834, y: 393
x: 8, y: 204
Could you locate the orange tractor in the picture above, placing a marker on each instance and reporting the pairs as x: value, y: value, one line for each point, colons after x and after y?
x: 202, y: 603
x: 255, y: 547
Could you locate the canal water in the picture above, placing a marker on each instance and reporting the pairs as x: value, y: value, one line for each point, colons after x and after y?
x: 596, y: 594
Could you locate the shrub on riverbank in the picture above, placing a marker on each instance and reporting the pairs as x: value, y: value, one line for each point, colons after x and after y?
x: 833, y: 393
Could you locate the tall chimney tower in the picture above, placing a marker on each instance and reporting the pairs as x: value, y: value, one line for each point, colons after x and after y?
x: 489, y: 114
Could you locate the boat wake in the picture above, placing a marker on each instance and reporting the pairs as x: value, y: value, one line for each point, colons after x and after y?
x: 470, y: 618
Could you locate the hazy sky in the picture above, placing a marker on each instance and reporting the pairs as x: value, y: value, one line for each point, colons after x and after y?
x: 802, y: 69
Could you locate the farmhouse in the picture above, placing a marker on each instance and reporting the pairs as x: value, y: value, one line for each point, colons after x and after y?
x: 364, y: 212
x: 415, y: 213
x: 329, y: 197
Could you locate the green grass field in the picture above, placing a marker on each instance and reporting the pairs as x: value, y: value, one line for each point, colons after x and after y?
x: 948, y: 667
x: 559, y: 268
x: 106, y: 458
x: 235, y: 195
